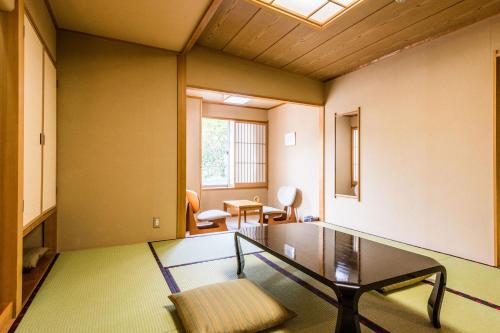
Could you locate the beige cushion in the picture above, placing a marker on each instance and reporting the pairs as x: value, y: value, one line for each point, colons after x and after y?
x: 271, y: 210
x: 32, y: 255
x: 213, y: 214
x: 404, y: 284
x: 232, y: 306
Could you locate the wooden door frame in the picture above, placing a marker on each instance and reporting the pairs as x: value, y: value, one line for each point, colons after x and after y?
x: 181, y: 145
x: 11, y: 164
x: 496, y: 145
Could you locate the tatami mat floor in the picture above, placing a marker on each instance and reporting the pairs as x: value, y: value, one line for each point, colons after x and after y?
x: 123, y: 289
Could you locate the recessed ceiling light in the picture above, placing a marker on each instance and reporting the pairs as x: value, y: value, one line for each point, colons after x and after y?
x: 236, y: 100
x: 302, y: 7
x: 318, y: 13
x: 326, y: 13
x: 344, y: 2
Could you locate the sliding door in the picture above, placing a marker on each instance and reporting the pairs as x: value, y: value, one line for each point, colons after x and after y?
x: 49, y: 134
x: 33, y: 103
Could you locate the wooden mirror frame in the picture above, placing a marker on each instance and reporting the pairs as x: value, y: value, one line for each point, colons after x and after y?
x: 339, y: 195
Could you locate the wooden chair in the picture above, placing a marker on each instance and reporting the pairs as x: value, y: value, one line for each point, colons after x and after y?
x: 286, y: 197
x: 203, y: 222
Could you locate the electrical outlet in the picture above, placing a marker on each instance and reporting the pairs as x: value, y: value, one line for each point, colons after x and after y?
x: 156, y: 222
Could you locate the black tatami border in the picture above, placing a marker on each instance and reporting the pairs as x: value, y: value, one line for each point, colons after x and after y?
x: 174, y: 288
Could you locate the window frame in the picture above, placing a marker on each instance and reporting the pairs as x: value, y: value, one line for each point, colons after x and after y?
x: 236, y: 185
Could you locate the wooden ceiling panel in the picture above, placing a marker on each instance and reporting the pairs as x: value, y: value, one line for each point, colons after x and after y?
x: 461, y: 14
x: 229, y: 19
x: 264, y: 30
x: 389, y: 20
x: 371, y: 30
x: 305, y: 38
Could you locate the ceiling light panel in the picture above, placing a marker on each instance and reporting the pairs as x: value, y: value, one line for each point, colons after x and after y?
x: 326, y: 13
x: 301, y: 7
x: 236, y: 100
x: 316, y: 12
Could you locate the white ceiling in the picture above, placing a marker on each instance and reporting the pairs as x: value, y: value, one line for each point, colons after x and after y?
x: 219, y: 97
x: 166, y: 24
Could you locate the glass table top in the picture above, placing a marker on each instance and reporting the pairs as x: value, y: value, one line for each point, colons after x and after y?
x: 337, y: 256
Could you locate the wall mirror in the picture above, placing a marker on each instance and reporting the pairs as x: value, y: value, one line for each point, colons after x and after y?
x: 347, y: 154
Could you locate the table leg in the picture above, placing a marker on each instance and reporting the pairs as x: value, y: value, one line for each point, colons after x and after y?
x: 245, y: 216
x: 239, y: 254
x: 348, y: 316
x: 261, y: 215
x: 436, y: 298
x: 239, y: 218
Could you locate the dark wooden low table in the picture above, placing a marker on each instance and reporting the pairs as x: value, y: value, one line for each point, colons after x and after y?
x: 348, y: 264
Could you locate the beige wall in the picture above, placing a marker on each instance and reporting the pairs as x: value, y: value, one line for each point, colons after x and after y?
x: 298, y: 165
x: 212, y: 199
x: 193, y: 148
x: 215, y: 70
x: 426, y: 144
x: 41, y: 17
x: 117, y: 141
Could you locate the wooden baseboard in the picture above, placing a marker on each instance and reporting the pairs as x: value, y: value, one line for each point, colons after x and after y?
x: 6, y: 319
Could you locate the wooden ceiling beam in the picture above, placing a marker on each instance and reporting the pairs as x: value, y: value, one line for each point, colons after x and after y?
x: 202, y: 24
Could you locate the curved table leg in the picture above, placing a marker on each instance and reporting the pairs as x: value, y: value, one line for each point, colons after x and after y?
x: 436, y: 298
x: 348, y: 316
x: 239, y: 254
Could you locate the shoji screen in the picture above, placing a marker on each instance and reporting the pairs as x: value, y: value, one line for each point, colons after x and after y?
x: 33, y: 92
x: 250, y: 153
x: 49, y: 131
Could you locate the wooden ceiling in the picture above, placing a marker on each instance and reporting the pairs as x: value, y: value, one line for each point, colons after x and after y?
x: 371, y: 30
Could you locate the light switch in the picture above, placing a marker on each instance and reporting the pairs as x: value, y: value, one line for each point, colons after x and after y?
x: 289, y: 251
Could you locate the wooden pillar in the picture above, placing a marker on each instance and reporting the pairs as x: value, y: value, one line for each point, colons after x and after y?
x: 11, y: 150
x: 181, y: 146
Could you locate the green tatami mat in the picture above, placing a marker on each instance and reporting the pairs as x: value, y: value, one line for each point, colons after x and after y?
x: 402, y: 311
x: 314, y: 314
x: 194, y: 249
x: 405, y: 310
x: 115, y: 289
x: 466, y: 276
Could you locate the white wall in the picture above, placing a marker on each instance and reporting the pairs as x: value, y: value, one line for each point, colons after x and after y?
x: 426, y: 144
x: 298, y: 165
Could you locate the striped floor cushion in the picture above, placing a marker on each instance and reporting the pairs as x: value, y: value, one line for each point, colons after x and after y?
x: 232, y: 306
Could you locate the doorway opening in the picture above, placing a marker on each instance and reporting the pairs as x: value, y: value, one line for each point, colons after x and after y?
x: 242, y: 152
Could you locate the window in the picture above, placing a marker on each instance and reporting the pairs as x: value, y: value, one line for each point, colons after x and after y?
x: 234, y: 153
x: 318, y: 13
x: 354, y: 156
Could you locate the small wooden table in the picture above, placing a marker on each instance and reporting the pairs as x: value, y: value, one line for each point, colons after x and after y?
x: 348, y: 264
x: 244, y: 206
